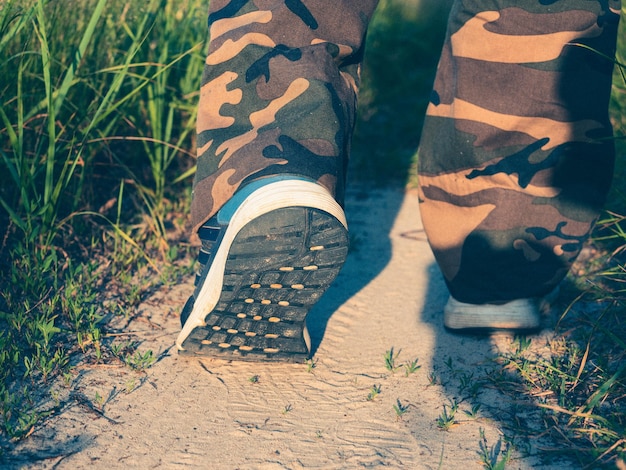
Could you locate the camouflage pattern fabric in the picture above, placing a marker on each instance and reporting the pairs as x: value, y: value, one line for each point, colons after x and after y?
x: 278, y: 94
x: 516, y: 155
x: 515, y: 158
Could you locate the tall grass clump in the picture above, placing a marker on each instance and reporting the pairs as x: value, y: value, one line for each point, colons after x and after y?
x: 97, y: 107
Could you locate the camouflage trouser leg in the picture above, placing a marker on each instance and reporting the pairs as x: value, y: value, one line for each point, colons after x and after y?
x: 278, y: 94
x: 513, y: 165
x: 516, y: 157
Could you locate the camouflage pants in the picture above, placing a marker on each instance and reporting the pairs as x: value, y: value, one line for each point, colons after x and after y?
x: 515, y: 156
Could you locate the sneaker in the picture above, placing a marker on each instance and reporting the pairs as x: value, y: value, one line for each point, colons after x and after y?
x: 517, y: 315
x: 266, y: 259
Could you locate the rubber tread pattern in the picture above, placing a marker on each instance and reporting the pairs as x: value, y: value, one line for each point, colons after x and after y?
x: 278, y: 267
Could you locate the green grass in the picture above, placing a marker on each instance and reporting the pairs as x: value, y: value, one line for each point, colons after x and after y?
x: 97, y: 110
x: 493, y: 457
x: 96, y: 115
x: 446, y: 419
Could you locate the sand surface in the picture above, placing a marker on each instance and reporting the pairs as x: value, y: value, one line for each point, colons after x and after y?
x: 202, y: 413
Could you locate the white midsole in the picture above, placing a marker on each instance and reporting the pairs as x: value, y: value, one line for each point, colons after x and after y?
x: 277, y: 195
x: 516, y: 314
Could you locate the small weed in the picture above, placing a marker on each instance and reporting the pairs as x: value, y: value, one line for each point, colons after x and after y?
x: 400, y: 409
x: 310, y: 365
x: 390, y: 360
x: 374, y: 392
x: 124, y: 350
x: 23, y: 424
x: 67, y: 378
x: 133, y: 296
x: 474, y: 389
x: 319, y: 434
x: 522, y: 343
x: 130, y: 385
x: 433, y: 378
x: 449, y: 363
x: 56, y: 397
x: 466, y: 381
x: 116, y: 349
x: 454, y: 406
x: 411, y: 367
x: 446, y: 419
x: 99, y: 401
x: 140, y: 361
x: 473, y: 413
x: 493, y: 457
x: 287, y: 409
x: 254, y: 379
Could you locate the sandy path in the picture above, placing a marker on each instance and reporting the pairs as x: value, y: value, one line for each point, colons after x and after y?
x: 186, y: 412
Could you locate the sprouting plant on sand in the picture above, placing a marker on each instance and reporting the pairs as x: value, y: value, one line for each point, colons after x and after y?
x: 374, y: 392
x: 390, y: 360
x: 447, y: 417
x: 493, y: 457
x: 400, y: 409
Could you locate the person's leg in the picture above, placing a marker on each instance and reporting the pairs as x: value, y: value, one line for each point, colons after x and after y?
x: 516, y: 155
x: 275, y: 120
x: 278, y: 94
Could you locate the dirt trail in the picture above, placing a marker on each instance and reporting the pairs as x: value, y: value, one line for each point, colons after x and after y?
x: 187, y: 412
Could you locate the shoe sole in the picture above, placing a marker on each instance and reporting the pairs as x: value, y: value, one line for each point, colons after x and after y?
x: 276, y: 267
